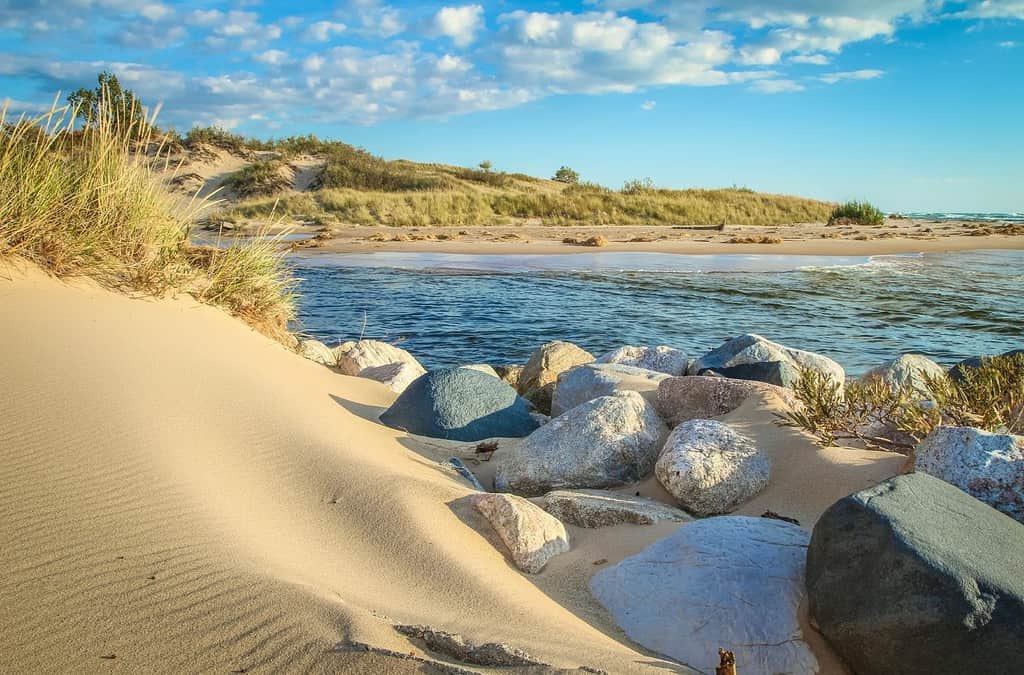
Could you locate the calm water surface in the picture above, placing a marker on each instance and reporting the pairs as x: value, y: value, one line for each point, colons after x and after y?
x: 449, y: 309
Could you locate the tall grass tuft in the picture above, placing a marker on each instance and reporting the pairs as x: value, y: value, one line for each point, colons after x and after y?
x: 87, y: 203
x: 856, y: 213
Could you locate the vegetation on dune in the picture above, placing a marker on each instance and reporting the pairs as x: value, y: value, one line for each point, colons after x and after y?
x: 260, y: 179
x: 566, y: 175
x: 990, y: 397
x: 856, y: 213
x: 87, y: 203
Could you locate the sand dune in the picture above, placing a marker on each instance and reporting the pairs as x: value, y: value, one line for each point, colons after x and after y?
x: 180, y: 494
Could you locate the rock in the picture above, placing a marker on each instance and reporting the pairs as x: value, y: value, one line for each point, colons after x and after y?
x: 709, y: 468
x: 732, y: 581
x: 600, y: 508
x: 394, y: 376
x: 548, y: 362
x: 606, y: 442
x: 660, y: 359
x: 779, y: 373
x: 460, y: 468
x: 956, y: 372
x: 987, y: 466
x: 752, y: 348
x: 587, y: 382
x: 914, y: 576
x: 540, y: 398
x: 483, y: 368
x: 908, y: 370
x: 702, y: 397
x: 461, y: 405
x: 353, y: 357
x: 509, y: 373
x: 532, y: 536
x: 314, y: 350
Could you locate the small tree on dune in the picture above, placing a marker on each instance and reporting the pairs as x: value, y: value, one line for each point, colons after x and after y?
x: 486, y: 165
x: 124, y: 109
x: 566, y: 175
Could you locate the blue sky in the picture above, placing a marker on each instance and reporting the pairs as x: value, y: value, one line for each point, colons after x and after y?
x: 912, y: 104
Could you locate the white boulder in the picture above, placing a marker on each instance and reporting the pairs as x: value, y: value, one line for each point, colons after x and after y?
x: 661, y: 359
x: 593, y: 380
x: 532, y: 536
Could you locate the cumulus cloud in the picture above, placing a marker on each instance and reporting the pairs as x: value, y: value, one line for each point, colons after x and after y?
x: 867, y: 74
x: 994, y: 9
x: 322, y: 31
x: 459, y: 23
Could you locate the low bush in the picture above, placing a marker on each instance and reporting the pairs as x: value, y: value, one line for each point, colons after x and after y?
x: 856, y: 213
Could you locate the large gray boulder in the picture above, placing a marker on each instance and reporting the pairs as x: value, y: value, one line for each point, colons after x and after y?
x: 702, y: 397
x: 601, y: 508
x: 317, y: 351
x: 606, y: 442
x: 460, y: 404
x: 734, y: 582
x: 532, y: 536
x: 660, y: 359
x: 914, y: 576
x: 593, y: 380
x: 355, y: 356
x: 548, y: 362
x: 907, y: 371
x: 753, y: 348
x: 989, y: 467
x: 710, y: 468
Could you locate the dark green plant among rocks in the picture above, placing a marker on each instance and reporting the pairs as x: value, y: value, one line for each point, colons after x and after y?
x: 856, y: 213
x: 989, y: 397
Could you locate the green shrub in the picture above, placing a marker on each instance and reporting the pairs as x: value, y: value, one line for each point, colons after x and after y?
x: 260, y: 179
x: 858, y: 213
x: 566, y: 175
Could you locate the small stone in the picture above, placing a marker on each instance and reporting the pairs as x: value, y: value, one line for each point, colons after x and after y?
x: 532, y: 536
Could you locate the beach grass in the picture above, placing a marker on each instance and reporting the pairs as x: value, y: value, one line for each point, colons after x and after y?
x: 857, y: 213
x: 86, y: 202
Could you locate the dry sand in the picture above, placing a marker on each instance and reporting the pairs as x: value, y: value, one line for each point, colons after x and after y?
x: 180, y: 494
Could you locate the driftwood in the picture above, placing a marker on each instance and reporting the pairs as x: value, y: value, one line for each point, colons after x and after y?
x: 727, y: 665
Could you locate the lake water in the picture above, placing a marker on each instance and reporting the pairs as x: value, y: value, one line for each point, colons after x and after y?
x: 450, y: 309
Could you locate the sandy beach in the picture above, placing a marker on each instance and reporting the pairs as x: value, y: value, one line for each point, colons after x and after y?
x: 172, y: 506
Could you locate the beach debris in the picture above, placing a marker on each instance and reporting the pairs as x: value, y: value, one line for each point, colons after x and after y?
x: 606, y: 442
x: 776, y: 516
x: 734, y: 580
x: 756, y: 239
x: 710, y: 469
x: 596, y: 240
x: 914, y: 575
x: 531, y: 535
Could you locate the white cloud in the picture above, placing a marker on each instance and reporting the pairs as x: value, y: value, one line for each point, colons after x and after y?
x: 648, y: 105
x: 832, y: 78
x: 459, y: 23
x: 1009, y: 44
x: 812, y: 59
x: 777, y: 86
x: 994, y: 9
x: 322, y: 31
x: 272, y: 57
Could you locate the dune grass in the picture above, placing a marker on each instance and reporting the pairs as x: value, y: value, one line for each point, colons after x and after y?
x: 856, y: 213
x: 87, y: 203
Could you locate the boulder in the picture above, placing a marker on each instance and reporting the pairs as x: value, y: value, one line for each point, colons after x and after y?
x: 548, y: 362
x: 702, y: 397
x: 540, y: 398
x: 587, y: 382
x: 709, y: 468
x: 734, y: 582
x: 600, y: 508
x: 509, y: 373
x: 460, y: 404
x: 395, y: 376
x: 314, y: 350
x: 752, y: 348
x: 987, y: 466
x: 606, y: 442
x: 660, y: 359
x: 483, y: 368
x: 914, y: 576
x: 779, y: 373
x: 532, y: 536
x: 908, y: 370
x: 956, y: 372
x: 353, y: 357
